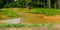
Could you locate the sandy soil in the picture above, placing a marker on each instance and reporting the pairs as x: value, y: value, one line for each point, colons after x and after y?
x: 24, y: 29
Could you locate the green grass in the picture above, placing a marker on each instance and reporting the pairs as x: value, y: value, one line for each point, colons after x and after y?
x: 24, y: 25
x: 9, y: 13
x: 46, y: 11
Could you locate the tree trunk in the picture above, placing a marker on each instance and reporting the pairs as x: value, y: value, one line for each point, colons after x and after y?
x: 44, y: 4
x: 55, y: 5
x: 49, y: 3
x: 59, y: 4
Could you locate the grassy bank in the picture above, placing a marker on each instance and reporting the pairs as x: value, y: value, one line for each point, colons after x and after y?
x: 24, y: 25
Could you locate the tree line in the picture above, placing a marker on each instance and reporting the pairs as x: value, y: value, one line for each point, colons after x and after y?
x: 30, y: 3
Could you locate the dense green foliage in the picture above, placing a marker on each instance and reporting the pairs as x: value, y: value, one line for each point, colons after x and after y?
x: 26, y: 3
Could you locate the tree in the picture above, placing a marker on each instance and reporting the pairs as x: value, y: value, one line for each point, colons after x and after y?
x: 4, y: 2
x: 21, y: 3
x: 1, y: 3
x: 59, y: 4
x: 49, y: 3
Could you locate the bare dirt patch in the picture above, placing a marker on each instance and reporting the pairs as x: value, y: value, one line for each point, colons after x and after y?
x: 56, y: 17
x: 39, y: 18
x: 38, y: 28
x: 16, y: 29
